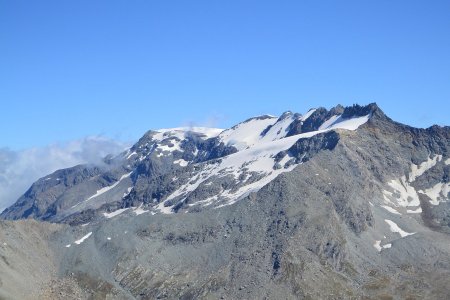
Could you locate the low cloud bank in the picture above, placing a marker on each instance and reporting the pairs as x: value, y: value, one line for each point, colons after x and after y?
x: 19, y: 169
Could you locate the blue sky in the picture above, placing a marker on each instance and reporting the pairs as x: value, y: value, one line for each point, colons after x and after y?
x: 70, y: 69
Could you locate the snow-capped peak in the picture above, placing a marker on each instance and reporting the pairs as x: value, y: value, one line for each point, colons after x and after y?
x: 176, y: 168
x: 180, y: 132
x: 257, y: 162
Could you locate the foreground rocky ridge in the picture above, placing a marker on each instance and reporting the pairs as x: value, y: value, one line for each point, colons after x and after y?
x: 362, y: 214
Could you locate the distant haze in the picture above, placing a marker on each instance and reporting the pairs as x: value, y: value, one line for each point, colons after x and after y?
x: 19, y: 169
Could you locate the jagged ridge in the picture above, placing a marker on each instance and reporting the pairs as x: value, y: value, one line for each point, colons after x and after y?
x: 162, y: 163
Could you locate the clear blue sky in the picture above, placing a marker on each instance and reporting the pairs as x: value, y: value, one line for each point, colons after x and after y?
x: 74, y: 68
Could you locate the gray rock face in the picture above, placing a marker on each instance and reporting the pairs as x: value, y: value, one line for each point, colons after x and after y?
x: 304, y: 149
x: 293, y: 210
x: 41, y: 199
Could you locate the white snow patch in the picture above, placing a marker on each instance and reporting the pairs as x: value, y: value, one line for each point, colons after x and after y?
x: 394, y: 228
x: 386, y: 199
x: 125, y: 153
x: 308, y: 114
x: 127, y: 192
x: 84, y: 225
x: 139, y: 210
x: 390, y: 209
x: 169, y: 134
x: 416, y: 211
x: 404, y: 195
x: 447, y: 162
x: 285, y: 160
x: 387, y: 246
x: 417, y: 171
x: 131, y: 154
x: 438, y: 193
x: 350, y: 124
x: 108, y: 188
x: 115, y: 213
x: 83, y: 238
x: 328, y: 123
x: 172, y: 137
x: 173, y: 146
x: 183, y: 190
x: 181, y: 131
x: 181, y: 162
x: 164, y: 209
x: 108, y: 238
x: 378, y: 246
x: 256, y: 157
x: 68, y: 246
x: 246, y: 134
x: 205, y: 202
x: 279, y: 129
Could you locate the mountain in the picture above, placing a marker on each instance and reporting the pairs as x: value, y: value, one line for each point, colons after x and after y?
x: 332, y: 204
x: 186, y: 169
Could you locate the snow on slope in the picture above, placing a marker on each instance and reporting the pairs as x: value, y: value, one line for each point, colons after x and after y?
x: 261, y: 129
x: 139, y: 210
x: 176, y: 135
x: 181, y: 162
x: 83, y: 238
x: 247, y: 133
x: 114, y: 213
x: 181, y: 131
x: 438, y: 193
x: 414, y: 211
x: 328, y: 123
x: 308, y: 114
x: 403, y: 194
x: 378, y: 246
x: 390, y: 209
x: 395, y: 228
x: 417, y: 171
x: 252, y: 167
x: 108, y: 188
x: 167, y: 140
x: 279, y: 129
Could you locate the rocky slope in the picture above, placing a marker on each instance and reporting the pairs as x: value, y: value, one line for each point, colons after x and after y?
x: 334, y: 204
x: 187, y: 169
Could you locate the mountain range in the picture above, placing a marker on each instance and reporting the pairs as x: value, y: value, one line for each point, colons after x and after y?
x: 343, y: 203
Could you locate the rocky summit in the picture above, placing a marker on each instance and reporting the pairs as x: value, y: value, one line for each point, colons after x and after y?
x: 333, y: 204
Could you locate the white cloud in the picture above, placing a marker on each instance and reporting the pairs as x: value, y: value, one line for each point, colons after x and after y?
x: 19, y: 169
